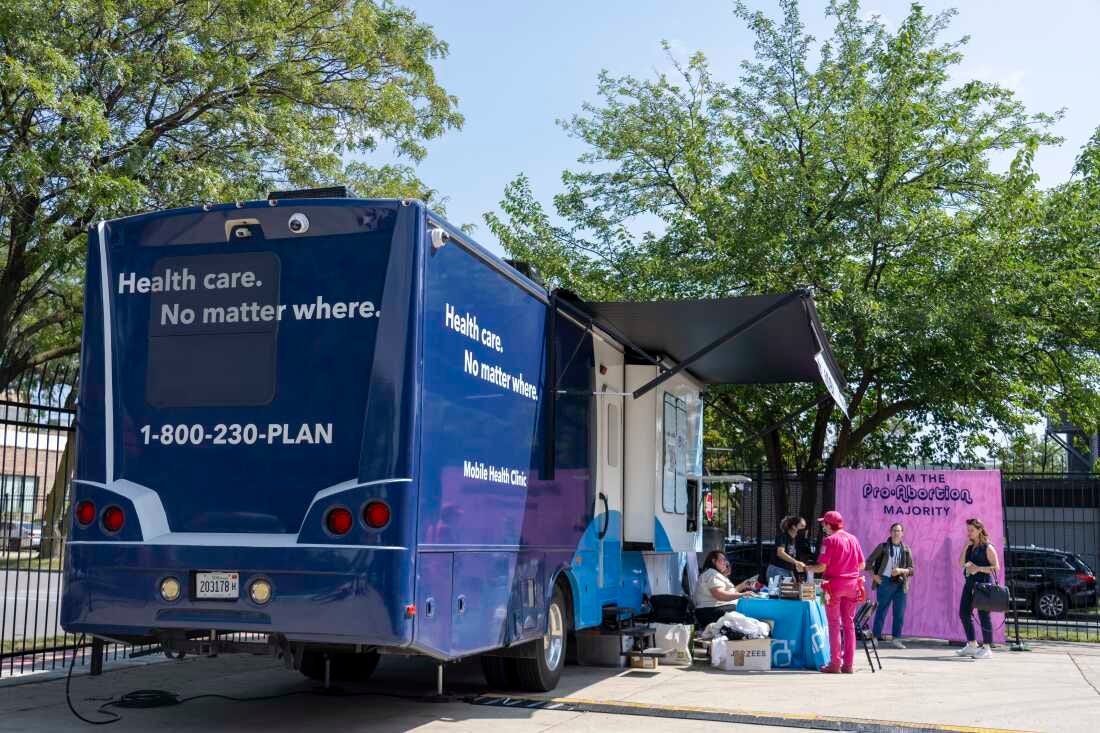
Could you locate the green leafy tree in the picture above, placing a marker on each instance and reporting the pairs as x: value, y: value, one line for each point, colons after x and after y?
x: 120, y: 106
x: 858, y: 168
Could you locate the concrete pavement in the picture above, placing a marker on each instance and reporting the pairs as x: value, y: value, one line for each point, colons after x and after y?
x: 1055, y: 687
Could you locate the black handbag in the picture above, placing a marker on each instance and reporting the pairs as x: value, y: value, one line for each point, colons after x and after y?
x: 991, y: 597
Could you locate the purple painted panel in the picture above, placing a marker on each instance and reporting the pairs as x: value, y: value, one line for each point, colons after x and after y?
x: 933, y: 506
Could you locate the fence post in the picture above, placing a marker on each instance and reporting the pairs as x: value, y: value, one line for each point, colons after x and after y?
x: 1018, y: 646
x: 97, y: 656
x: 758, y: 497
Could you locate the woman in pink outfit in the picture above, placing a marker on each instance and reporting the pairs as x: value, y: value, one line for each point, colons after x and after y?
x: 841, y: 563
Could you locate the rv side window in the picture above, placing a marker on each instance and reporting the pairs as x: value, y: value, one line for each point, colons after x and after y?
x: 613, y: 432
x: 674, y: 498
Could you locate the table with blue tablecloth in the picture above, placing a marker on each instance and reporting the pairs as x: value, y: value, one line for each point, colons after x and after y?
x: 800, y: 638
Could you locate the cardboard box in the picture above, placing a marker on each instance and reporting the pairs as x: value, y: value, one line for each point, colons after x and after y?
x: 647, y: 659
x: 745, y: 655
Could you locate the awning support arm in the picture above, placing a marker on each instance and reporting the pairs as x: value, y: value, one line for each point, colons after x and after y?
x: 737, y: 331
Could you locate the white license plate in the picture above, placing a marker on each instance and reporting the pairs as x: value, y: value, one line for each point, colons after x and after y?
x: 217, y: 585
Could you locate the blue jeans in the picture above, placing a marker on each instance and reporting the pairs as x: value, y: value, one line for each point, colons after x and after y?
x: 890, y: 595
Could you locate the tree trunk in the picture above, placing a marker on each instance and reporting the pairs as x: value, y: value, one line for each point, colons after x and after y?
x: 54, y: 526
x: 807, y: 506
x: 777, y: 466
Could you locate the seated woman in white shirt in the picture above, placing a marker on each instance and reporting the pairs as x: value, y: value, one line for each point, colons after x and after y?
x: 716, y: 594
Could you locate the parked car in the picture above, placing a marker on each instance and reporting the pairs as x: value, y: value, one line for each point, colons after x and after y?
x: 32, y: 531
x: 1048, y: 581
x: 744, y: 560
x: 17, y: 536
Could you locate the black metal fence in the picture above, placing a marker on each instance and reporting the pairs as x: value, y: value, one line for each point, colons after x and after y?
x: 1053, y: 529
x: 36, y: 419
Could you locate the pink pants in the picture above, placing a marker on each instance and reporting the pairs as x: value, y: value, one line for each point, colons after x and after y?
x: 841, y: 610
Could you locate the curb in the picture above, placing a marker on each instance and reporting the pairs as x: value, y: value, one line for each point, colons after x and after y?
x: 789, y: 720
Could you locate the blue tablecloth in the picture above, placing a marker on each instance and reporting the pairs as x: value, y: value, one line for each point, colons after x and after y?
x: 800, y: 639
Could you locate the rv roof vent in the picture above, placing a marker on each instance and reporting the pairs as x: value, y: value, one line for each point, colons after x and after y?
x: 331, y: 192
x: 527, y: 269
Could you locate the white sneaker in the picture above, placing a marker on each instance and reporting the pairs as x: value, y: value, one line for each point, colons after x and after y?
x: 983, y: 653
x: 896, y: 643
x: 967, y: 651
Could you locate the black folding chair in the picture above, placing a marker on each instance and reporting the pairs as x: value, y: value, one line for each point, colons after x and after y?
x: 863, y: 630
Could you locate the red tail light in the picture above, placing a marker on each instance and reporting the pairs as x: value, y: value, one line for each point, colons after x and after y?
x: 376, y: 514
x: 338, y: 520
x: 85, y: 513
x: 1085, y: 577
x: 113, y: 519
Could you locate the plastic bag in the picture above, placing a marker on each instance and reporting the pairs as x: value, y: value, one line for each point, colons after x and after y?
x: 750, y: 628
x: 674, y: 638
x: 719, y: 652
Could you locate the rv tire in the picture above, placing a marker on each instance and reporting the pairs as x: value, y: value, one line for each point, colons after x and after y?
x: 541, y: 669
x: 500, y: 672
x: 343, y: 666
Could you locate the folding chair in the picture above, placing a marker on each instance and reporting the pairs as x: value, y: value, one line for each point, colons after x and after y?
x: 863, y: 630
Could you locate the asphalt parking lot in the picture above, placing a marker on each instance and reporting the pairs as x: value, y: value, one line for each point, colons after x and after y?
x: 1055, y: 687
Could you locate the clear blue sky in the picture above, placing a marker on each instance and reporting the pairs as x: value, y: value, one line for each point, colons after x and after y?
x: 516, y: 67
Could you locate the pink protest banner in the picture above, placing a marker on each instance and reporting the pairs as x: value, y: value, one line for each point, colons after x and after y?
x: 932, y: 506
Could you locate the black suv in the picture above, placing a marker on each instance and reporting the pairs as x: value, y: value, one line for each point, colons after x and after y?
x: 1050, y: 582
x: 744, y: 560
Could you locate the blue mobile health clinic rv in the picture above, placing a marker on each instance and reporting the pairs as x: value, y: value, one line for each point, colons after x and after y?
x: 342, y: 424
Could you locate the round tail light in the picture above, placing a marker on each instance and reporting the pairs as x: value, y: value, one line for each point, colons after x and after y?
x: 170, y: 589
x: 376, y: 514
x: 338, y: 521
x: 259, y: 591
x: 85, y: 513
x: 113, y: 519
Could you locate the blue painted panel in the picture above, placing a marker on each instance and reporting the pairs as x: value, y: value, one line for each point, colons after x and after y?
x: 352, y: 596
x: 661, y: 541
x: 634, y: 580
x: 433, y: 601
x: 484, y: 386
x: 481, y: 615
x: 90, y: 418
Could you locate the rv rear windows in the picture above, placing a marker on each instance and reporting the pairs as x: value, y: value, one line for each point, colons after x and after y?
x: 674, y: 497
x: 209, y: 346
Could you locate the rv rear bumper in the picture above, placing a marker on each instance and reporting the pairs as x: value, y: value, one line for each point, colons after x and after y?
x: 338, y: 595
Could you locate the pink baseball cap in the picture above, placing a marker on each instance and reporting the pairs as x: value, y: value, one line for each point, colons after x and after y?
x: 834, y: 518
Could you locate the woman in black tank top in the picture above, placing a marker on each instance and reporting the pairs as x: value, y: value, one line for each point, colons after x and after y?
x: 979, y: 563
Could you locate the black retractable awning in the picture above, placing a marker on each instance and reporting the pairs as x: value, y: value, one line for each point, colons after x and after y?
x: 759, y: 339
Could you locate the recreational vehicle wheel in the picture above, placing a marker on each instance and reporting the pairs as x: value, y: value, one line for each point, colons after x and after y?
x: 345, y: 666
x: 541, y: 671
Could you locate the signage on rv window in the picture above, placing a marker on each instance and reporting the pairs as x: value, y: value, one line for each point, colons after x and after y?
x: 674, y: 497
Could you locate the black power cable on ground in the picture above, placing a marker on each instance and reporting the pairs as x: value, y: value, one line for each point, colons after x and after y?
x: 145, y: 699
